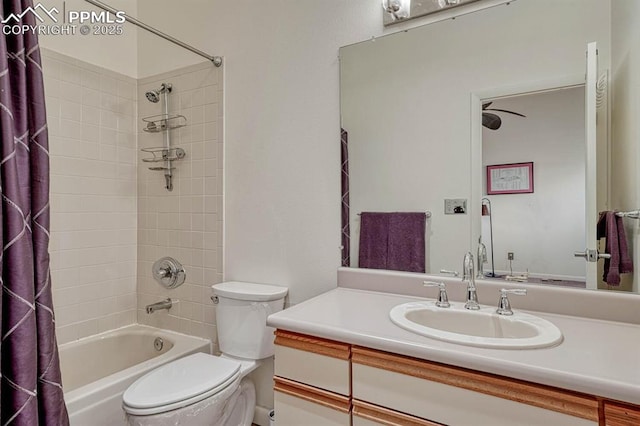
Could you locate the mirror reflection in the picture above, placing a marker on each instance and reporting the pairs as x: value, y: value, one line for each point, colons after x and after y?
x: 550, y: 136
x: 416, y: 142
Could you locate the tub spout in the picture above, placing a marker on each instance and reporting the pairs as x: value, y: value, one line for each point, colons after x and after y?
x: 165, y: 304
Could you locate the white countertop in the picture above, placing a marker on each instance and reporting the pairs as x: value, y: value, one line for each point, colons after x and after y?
x: 597, y: 357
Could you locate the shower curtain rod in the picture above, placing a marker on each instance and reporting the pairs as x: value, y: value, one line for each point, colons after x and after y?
x: 217, y: 60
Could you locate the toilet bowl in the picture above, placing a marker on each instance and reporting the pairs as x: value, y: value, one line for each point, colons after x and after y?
x: 203, y: 389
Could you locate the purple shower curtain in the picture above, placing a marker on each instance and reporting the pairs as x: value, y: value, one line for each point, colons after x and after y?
x: 30, y: 386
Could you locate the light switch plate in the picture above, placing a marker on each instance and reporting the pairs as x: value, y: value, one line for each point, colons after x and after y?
x: 455, y: 206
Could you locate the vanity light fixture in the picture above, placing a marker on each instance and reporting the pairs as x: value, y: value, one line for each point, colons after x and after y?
x: 397, y: 9
x: 402, y: 10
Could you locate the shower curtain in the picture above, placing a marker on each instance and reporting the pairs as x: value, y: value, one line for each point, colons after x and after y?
x: 346, y: 233
x: 30, y: 383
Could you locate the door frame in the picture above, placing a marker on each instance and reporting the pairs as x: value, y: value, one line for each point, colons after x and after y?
x: 476, y: 99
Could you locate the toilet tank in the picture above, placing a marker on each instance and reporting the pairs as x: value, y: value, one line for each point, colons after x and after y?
x: 241, y: 317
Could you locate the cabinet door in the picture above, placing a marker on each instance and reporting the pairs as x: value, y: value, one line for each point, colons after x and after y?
x: 621, y: 415
x: 296, y: 404
x: 455, y: 396
x: 365, y: 414
x: 317, y: 362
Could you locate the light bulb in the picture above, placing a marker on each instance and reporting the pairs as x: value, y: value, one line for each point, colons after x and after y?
x: 447, y: 3
x: 399, y: 9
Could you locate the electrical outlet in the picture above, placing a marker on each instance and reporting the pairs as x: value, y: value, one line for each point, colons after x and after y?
x: 455, y: 206
x: 510, y: 255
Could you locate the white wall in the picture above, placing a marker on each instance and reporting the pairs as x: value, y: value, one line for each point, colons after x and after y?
x: 544, y: 228
x: 625, y: 82
x: 406, y: 103
x: 114, y: 52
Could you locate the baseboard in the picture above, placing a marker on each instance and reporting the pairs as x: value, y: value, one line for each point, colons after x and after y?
x: 261, y: 416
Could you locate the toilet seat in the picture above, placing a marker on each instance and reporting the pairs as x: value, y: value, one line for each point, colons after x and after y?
x: 180, y: 383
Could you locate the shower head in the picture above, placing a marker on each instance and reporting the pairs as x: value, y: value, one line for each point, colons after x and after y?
x: 154, y: 95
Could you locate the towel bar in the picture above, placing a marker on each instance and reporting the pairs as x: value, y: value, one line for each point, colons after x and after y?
x: 632, y: 214
x: 427, y: 213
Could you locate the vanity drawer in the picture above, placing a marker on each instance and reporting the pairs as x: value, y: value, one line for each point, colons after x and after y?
x: 458, y: 397
x: 365, y: 414
x: 296, y: 404
x: 317, y: 362
x: 621, y: 415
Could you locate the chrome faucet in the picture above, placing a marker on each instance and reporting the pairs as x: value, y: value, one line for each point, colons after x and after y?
x: 482, y: 258
x: 468, y: 275
x: 165, y: 304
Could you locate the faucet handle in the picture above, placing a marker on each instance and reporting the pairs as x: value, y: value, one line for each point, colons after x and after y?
x: 443, y: 299
x: 446, y: 271
x: 504, y: 306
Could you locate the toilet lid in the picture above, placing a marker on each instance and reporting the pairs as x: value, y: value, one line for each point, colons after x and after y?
x: 249, y: 291
x: 181, y: 380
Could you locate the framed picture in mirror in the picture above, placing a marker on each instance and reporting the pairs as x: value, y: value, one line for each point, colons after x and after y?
x: 515, y: 178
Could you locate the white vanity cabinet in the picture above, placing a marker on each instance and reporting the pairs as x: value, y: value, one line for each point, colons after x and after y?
x: 312, y: 381
x: 323, y: 382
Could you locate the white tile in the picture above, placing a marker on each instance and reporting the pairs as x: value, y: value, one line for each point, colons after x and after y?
x: 108, y: 119
x: 70, y: 73
x: 90, y: 133
x: 71, y: 91
x: 91, y: 97
x: 210, y: 112
x: 198, y: 114
x: 90, y: 115
x: 70, y: 110
x: 51, y: 87
x: 108, y: 136
x: 53, y: 107
x: 108, y: 84
x: 90, y: 79
x: 70, y: 129
x: 126, y: 90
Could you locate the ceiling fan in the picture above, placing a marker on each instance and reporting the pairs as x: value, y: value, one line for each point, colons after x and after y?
x: 493, y: 121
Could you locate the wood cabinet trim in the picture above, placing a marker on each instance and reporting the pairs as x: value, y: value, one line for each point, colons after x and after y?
x: 620, y: 414
x: 546, y: 397
x: 313, y: 344
x: 386, y: 416
x: 309, y: 393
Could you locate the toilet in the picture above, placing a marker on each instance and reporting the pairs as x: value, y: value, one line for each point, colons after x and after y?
x: 206, y: 390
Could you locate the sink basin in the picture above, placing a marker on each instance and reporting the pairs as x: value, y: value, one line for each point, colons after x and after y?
x: 483, y: 328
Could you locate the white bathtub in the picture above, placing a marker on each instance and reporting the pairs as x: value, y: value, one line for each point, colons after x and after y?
x: 98, y: 369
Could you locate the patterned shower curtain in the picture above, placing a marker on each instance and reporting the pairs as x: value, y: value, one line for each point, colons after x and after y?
x: 30, y: 383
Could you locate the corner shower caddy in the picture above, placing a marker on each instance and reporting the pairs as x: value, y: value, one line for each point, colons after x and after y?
x: 164, y: 123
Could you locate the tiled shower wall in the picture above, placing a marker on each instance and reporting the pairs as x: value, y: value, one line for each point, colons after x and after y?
x: 92, y: 137
x: 186, y: 223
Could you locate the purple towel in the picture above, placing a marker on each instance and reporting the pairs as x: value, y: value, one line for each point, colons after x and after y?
x: 611, y: 228
x: 394, y: 241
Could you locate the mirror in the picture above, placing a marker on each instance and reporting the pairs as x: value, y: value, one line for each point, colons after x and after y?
x: 406, y: 105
